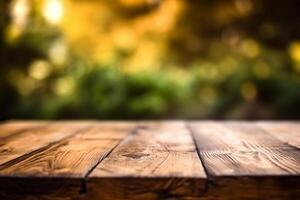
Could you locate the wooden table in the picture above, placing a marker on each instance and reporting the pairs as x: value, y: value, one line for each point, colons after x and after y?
x: 170, y: 160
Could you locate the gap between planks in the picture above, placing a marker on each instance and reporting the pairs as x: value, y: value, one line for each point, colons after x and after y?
x: 89, y: 136
x: 85, y: 179
x: 223, y: 181
x: 242, y: 156
x: 158, y: 161
x: 19, y: 154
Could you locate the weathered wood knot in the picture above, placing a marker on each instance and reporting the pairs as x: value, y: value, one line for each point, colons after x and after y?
x: 135, y: 155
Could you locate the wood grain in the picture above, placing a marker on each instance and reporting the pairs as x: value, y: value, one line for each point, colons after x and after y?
x: 245, y: 162
x: 89, y: 160
x: 71, y: 157
x: 243, y: 149
x: 11, y: 128
x: 34, y: 139
x: 288, y: 132
x: 66, y: 163
x: 158, y: 161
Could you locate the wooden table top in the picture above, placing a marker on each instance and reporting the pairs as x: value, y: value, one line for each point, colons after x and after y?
x: 149, y: 160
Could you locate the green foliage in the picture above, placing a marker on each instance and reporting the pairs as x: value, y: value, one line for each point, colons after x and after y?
x: 203, y: 75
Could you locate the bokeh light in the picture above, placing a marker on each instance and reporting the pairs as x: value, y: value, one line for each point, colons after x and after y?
x: 39, y: 69
x: 131, y: 59
x: 53, y: 11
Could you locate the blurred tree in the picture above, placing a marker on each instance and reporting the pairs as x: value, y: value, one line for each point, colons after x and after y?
x: 149, y: 59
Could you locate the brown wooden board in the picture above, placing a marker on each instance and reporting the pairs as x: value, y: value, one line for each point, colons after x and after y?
x: 64, y: 164
x: 239, y: 157
x: 149, y: 160
x: 158, y: 161
x: 286, y: 131
x: 18, y: 147
x: 34, y: 139
x: 13, y: 128
x: 252, y: 188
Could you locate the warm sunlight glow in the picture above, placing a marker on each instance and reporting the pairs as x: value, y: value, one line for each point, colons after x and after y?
x: 39, y: 69
x: 131, y: 59
x: 294, y: 51
x: 53, y: 11
x: 64, y: 86
x: 58, y: 53
x: 19, y: 12
x: 250, y: 48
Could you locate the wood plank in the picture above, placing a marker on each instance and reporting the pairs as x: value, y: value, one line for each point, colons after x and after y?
x: 286, y: 131
x: 34, y: 139
x: 71, y: 157
x: 20, y: 188
x: 243, y: 149
x: 252, y: 188
x: 10, y: 128
x: 64, y: 165
x: 240, y: 157
x: 158, y: 161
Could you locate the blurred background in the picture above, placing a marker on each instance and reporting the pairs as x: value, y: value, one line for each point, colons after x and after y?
x: 139, y: 59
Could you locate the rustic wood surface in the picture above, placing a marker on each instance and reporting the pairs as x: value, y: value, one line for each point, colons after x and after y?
x: 149, y: 160
x: 243, y: 149
x: 12, y: 128
x: 163, y: 158
x: 288, y: 132
x: 246, y: 162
